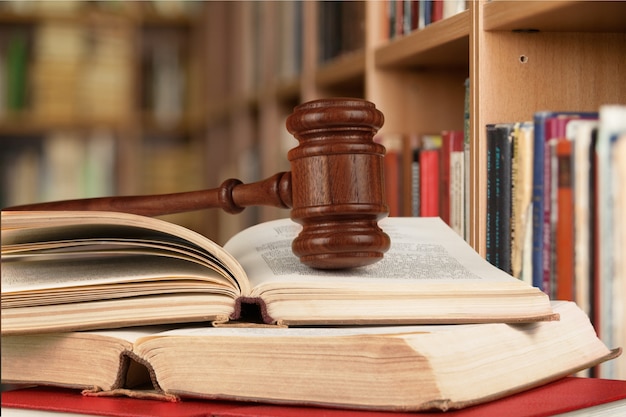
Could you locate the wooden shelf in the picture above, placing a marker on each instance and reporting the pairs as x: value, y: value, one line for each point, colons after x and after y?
x: 441, y: 44
x: 555, y: 16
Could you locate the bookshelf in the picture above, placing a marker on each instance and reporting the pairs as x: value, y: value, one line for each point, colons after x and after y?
x: 248, y: 63
x: 101, y: 98
x: 505, y: 59
x: 531, y: 56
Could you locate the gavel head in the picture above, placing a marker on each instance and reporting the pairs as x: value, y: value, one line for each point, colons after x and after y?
x: 337, y: 183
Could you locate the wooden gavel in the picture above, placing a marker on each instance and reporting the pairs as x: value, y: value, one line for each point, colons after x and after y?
x: 335, y: 188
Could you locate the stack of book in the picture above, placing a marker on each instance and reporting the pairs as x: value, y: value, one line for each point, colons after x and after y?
x: 120, y: 304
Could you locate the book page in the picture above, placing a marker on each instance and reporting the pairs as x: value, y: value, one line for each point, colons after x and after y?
x: 423, y: 251
x: 64, y: 249
x: 132, y: 334
x: 299, y: 332
x: 108, y: 270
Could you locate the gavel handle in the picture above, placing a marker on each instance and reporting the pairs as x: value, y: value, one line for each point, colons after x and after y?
x: 231, y: 196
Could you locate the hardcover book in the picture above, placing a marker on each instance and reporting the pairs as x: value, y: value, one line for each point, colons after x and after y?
x: 399, y: 368
x: 66, y: 271
x: 499, y: 200
x: 521, y: 201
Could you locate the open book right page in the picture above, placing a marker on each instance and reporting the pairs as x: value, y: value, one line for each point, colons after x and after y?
x: 429, y: 275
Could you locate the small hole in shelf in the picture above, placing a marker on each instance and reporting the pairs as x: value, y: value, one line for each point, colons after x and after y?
x: 523, y: 59
x: 525, y: 30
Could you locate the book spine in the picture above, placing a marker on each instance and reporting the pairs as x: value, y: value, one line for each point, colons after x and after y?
x: 392, y: 166
x: 444, y: 176
x: 437, y: 11
x: 490, y: 203
x: 612, y: 125
x: 582, y: 135
x: 457, y: 184
x: 521, y: 201
x: 500, y: 145
x: 429, y: 182
x: 415, y: 184
x: 554, y: 131
x: 451, y: 142
x: 466, y: 152
x: 538, y: 199
x: 564, y: 233
x: 16, y: 72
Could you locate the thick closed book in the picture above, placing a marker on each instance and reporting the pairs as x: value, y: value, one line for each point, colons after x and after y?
x: 64, y: 271
x: 398, y: 368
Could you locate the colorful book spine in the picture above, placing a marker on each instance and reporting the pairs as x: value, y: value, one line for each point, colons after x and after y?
x: 499, y: 165
x: 564, y: 228
x: 542, y: 266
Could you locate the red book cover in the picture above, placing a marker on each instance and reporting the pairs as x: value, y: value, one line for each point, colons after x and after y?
x: 429, y: 182
x: 562, y: 396
x: 437, y: 11
x: 72, y: 401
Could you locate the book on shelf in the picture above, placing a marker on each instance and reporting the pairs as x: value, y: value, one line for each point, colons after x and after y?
x: 80, y: 71
x: 548, y: 126
x: 413, y: 144
x: 521, y: 201
x: 563, y: 219
x: 583, y: 135
x: 619, y: 315
x: 344, y: 28
x: 577, y: 221
x: 457, y: 183
x: 611, y: 282
x: 14, y: 56
x: 422, y: 175
x: 398, y: 368
x: 429, y: 182
x: 81, y: 270
x: 404, y: 16
x: 425, y: 175
x: 428, y: 156
x: 467, y: 158
x: 567, y: 397
x: 451, y: 141
x: 499, y: 165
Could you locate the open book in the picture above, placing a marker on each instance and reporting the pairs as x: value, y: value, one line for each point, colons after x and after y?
x: 64, y: 271
x: 386, y: 367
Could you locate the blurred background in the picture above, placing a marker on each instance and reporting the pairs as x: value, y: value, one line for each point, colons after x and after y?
x: 114, y: 97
